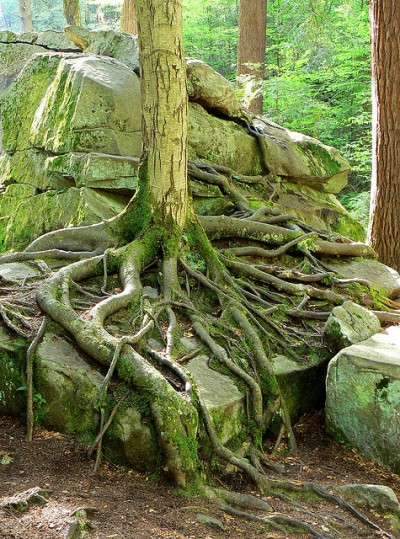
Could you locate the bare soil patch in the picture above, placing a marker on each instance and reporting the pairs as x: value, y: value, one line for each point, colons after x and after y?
x: 132, y: 505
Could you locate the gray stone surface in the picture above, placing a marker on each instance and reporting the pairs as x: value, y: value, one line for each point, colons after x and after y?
x: 122, y: 47
x: 17, y: 272
x: 57, y: 41
x: 210, y: 89
x: 377, y: 497
x: 221, y: 396
x: 210, y: 521
x: 380, y: 276
x: 349, y: 324
x: 363, y: 397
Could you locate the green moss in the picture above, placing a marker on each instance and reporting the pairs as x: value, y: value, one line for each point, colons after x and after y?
x: 12, y: 373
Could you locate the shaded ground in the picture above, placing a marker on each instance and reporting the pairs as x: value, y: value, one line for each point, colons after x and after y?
x: 130, y: 505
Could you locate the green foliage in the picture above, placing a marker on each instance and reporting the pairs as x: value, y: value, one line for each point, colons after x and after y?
x: 358, y: 205
x: 318, y: 76
x: 317, y: 65
x: 317, y: 68
x: 210, y: 33
x: 48, y: 14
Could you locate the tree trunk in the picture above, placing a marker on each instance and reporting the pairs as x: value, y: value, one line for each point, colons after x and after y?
x: 87, y: 12
x: 385, y: 195
x: 72, y: 12
x: 26, y: 15
x: 128, y: 17
x: 251, y: 45
x: 164, y: 104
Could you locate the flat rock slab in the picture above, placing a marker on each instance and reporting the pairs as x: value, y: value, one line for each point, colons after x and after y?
x: 17, y: 272
x: 379, y: 275
x: 363, y: 397
x: 221, y: 396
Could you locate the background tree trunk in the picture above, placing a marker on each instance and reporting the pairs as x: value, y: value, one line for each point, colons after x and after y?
x: 164, y: 105
x: 252, y: 42
x: 72, y: 12
x: 128, y: 17
x: 385, y: 192
x: 26, y: 15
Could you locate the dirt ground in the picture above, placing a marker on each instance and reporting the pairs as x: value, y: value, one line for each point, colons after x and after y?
x: 132, y: 505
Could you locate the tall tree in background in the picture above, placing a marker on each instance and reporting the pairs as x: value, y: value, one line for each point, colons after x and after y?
x: 385, y: 195
x: 128, y: 17
x: 251, y: 45
x: 26, y: 15
x: 72, y: 12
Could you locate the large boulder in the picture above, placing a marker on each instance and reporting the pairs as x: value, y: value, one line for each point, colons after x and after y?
x: 222, y: 141
x: 318, y: 209
x: 363, y: 397
x: 380, y: 277
x: 122, y: 47
x: 210, y: 89
x: 51, y: 106
x: 68, y: 386
x: 17, y: 49
x: 299, y: 158
x: 72, y: 120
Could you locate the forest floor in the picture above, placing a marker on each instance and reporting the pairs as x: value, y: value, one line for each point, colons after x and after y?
x: 132, y: 505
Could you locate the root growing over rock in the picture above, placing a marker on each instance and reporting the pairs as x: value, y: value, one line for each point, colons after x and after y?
x: 241, y: 309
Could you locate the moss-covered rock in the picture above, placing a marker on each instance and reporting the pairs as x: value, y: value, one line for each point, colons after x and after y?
x: 302, y: 384
x: 13, y: 57
x: 12, y: 373
x: 67, y: 102
x: 216, y: 140
x: 97, y: 170
x: 363, y: 397
x: 298, y: 158
x: 29, y: 167
x: 43, y: 212
x: 221, y: 396
x: 381, y: 277
x: 68, y: 385
x: 122, y: 47
x: 318, y: 209
x: 349, y: 324
x: 210, y: 89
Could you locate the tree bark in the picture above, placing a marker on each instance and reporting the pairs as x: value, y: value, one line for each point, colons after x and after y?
x: 384, y: 231
x: 251, y: 45
x: 128, y: 17
x: 164, y: 105
x: 72, y: 12
x: 26, y: 15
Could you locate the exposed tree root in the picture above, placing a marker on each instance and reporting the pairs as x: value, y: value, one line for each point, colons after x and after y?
x: 240, y: 309
x: 29, y: 380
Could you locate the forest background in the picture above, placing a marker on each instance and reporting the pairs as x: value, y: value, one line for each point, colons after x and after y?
x: 317, y: 77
